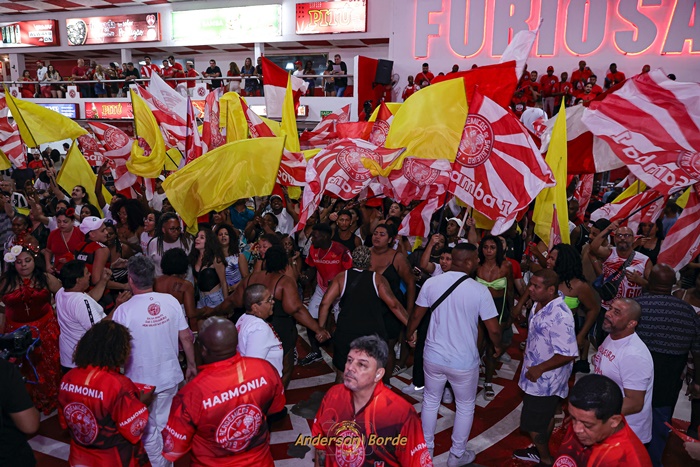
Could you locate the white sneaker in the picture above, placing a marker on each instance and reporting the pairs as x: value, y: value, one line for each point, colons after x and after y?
x: 465, y: 459
x: 447, y: 396
x: 505, y: 358
x: 412, y: 389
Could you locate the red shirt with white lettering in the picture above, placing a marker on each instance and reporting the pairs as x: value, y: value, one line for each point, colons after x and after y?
x: 386, y: 431
x: 104, y: 416
x: 221, y: 414
x: 621, y: 449
x: 329, y: 263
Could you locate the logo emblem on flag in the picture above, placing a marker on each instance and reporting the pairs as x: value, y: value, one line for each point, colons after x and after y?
x: 690, y: 162
x: 418, y: 173
x: 477, y: 143
x: 115, y: 139
x: 350, y: 159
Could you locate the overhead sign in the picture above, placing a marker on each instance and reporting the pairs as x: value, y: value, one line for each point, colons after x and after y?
x: 67, y: 110
x: 95, y: 110
x: 331, y: 17
x: 226, y: 25
x: 39, y: 33
x: 114, y: 29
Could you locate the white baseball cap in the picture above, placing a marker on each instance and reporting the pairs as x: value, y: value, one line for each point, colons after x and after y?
x: 456, y: 219
x: 91, y: 223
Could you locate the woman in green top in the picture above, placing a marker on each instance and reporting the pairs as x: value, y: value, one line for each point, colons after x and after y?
x: 496, y: 273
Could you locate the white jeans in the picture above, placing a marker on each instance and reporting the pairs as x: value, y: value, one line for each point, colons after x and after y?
x: 464, y: 384
x: 158, y: 413
x: 315, y: 303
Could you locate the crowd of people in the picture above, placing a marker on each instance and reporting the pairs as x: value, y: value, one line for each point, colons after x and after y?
x: 246, y: 80
x: 206, y: 330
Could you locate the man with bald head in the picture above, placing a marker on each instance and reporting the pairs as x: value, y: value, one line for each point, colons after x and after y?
x: 625, y: 359
x: 221, y: 414
x: 670, y: 328
x: 629, y: 268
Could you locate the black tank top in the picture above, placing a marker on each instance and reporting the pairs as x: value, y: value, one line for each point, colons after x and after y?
x: 207, y: 278
x: 349, y: 243
x: 283, y: 324
x: 361, y: 309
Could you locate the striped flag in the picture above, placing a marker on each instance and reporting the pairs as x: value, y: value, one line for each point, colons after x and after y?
x: 417, y: 179
x: 325, y: 132
x: 682, y: 243
x: 172, y: 126
x: 117, y: 148
x: 213, y: 135
x: 256, y: 126
x: 652, y: 124
x: 650, y: 202
x: 275, y: 85
x: 380, y: 127
x: 92, y: 149
x: 10, y: 142
x: 417, y: 222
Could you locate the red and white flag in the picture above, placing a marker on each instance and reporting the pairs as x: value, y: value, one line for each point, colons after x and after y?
x: 648, y: 204
x: 257, y: 127
x: 584, y: 190
x: 417, y: 222
x: 172, y: 126
x: 117, y: 148
x: 338, y: 170
x: 498, y: 170
x: 324, y: 133
x: 91, y: 149
x: 292, y: 171
x: 586, y: 154
x: 417, y: 179
x: 275, y: 85
x: 193, y: 142
x: 10, y: 141
x: 652, y: 124
x: 682, y: 242
x: 381, y: 125
x: 212, y: 135
x: 555, y: 230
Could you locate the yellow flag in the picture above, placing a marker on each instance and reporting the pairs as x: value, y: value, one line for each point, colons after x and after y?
x: 38, y: 125
x: 146, y: 161
x: 429, y: 125
x: 76, y: 170
x: 392, y: 106
x: 173, y: 159
x: 232, y: 118
x: 274, y: 125
x: 309, y: 153
x: 683, y: 199
x: 289, y: 119
x: 4, y: 161
x: 545, y: 201
x: 214, y: 181
x: 634, y: 189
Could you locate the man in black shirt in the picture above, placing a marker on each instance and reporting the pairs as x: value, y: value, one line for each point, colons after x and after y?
x: 131, y: 73
x: 340, y: 68
x: 213, y: 72
x: 18, y: 418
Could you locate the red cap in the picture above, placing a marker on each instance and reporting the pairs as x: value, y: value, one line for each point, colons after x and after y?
x: 550, y: 68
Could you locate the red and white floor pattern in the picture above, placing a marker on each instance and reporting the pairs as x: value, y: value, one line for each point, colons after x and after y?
x: 494, y: 436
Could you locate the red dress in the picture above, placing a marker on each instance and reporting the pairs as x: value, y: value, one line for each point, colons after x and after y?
x: 32, y: 307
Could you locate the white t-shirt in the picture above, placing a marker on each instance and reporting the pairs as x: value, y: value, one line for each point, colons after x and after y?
x: 285, y: 221
x: 154, y: 319
x: 156, y: 203
x: 454, y: 323
x: 438, y: 270
x: 144, y: 239
x: 152, y: 252
x: 628, y: 362
x: 73, y: 313
x: 257, y: 339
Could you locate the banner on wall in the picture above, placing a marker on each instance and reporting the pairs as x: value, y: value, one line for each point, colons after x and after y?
x: 108, y: 110
x: 39, y: 33
x: 228, y: 25
x: 67, y: 110
x: 114, y: 29
x: 331, y: 17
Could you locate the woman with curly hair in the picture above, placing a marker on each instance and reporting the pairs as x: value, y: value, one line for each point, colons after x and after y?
x: 129, y: 214
x: 209, y: 268
x: 21, y: 234
x: 88, y: 210
x: 25, y: 292
x: 578, y: 296
x: 236, y: 264
x: 120, y: 413
x: 496, y: 273
x: 150, y: 221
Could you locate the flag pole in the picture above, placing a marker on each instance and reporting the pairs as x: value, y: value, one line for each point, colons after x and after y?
x: 19, y: 116
x: 442, y: 212
x: 464, y: 220
x: 650, y: 203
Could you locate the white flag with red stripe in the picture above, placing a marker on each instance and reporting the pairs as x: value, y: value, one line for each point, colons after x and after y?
x: 257, y: 127
x: 325, y: 132
x: 682, y: 242
x: 338, y: 170
x: 292, y: 171
x: 212, y: 135
x: 173, y: 127
x: 380, y: 127
x: 652, y: 124
x: 417, y: 222
x: 583, y: 193
x: 648, y: 204
x: 498, y: 170
x: 275, y: 84
x: 117, y: 149
x: 417, y: 179
x: 10, y: 141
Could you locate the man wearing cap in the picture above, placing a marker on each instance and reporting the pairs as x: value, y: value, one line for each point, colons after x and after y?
x: 95, y: 253
x: 286, y: 220
x: 548, y: 84
x: 453, y: 234
x: 298, y: 68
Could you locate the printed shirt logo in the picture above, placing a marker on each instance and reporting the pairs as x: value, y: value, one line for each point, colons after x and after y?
x: 239, y: 427
x: 82, y: 422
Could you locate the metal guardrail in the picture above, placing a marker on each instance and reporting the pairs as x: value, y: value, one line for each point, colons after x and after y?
x: 139, y: 80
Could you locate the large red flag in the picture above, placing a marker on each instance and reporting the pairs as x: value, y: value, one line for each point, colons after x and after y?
x: 652, y: 124
x: 498, y: 170
x: 117, y: 148
x: 275, y: 85
x: 10, y: 141
x: 498, y: 82
x: 324, y: 133
x: 682, y: 242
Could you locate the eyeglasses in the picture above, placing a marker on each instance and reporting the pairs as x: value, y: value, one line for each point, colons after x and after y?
x: 624, y: 235
x: 269, y: 300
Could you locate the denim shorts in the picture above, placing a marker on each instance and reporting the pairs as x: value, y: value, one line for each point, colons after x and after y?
x: 210, y: 300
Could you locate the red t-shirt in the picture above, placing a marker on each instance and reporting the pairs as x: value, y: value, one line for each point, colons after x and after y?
x: 517, y: 270
x: 35, y: 164
x: 149, y: 70
x: 63, y: 250
x: 80, y: 72
x: 420, y: 77
x: 615, y: 78
x: 329, y: 263
x: 518, y: 105
x: 361, y: 439
x: 192, y: 73
x: 86, y: 252
x: 169, y: 72
x: 548, y: 84
x: 579, y: 79
x: 221, y: 414
x: 529, y: 87
x: 621, y: 449
x: 596, y: 90
x: 566, y: 88
x: 408, y: 91
x: 105, y: 418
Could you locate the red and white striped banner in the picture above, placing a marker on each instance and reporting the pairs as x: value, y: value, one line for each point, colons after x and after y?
x: 682, y: 242
x: 325, y: 132
x: 257, y: 127
x: 10, y: 141
x: 652, y: 124
x: 117, y: 148
x: 417, y: 179
x: 381, y: 125
x: 498, y: 170
x: 618, y: 211
x: 583, y: 193
x: 173, y: 128
x: 417, y: 222
x: 212, y: 135
x: 91, y: 149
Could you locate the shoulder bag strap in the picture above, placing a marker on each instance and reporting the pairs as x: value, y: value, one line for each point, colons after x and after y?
x: 448, y: 292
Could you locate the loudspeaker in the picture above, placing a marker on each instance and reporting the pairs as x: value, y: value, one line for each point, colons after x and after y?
x: 384, y: 69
